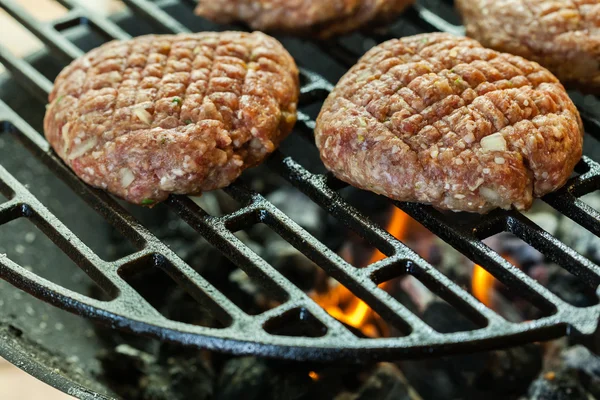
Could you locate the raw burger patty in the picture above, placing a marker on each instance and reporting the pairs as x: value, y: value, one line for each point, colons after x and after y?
x: 562, y: 35
x: 322, y: 18
x: 439, y: 119
x: 182, y: 114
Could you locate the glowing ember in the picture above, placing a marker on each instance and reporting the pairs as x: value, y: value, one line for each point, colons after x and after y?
x: 343, y: 305
x: 314, y: 376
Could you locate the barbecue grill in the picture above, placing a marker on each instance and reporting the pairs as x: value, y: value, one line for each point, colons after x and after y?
x: 253, y: 334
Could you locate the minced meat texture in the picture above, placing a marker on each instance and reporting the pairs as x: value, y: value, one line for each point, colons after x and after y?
x: 440, y: 119
x: 306, y: 17
x: 562, y: 35
x: 181, y: 114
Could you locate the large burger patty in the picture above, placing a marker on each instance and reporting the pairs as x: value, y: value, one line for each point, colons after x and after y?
x: 562, y: 35
x: 182, y: 114
x: 440, y: 119
x: 323, y: 18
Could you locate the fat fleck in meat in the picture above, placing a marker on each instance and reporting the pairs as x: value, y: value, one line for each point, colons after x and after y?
x: 440, y: 119
x: 562, y: 35
x: 306, y: 17
x: 181, y: 114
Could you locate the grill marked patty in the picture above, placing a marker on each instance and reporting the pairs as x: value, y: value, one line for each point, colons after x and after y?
x: 307, y: 17
x: 439, y: 119
x: 562, y: 35
x: 163, y: 114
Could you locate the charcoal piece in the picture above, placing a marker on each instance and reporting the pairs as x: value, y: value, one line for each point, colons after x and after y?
x: 582, y: 359
x: 190, y: 377
x: 587, y: 366
x: 133, y: 373
x: 577, y: 237
x: 214, y: 202
x: 448, y: 261
x: 189, y: 245
x: 182, y: 307
x: 574, y: 373
x: 336, y: 234
x: 571, y: 289
x: 431, y: 379
x: 293, y: 265
x: 510, y: 371
x: 444, y: 318
x: 502, y: 372
x: 462, y: 370
x: 291, y: 381
x: 137, y: 375
x: 261, y: 179
x: 300, y: 209
x: 558, y: 386
x: 175, y: 233
x: 376, y: 206
x: 251, y: 378
x: 125, y: 369
x: 156, y: 387
x: 544, y: 216
x: 386, y: 382
x: 181, y: 379
x: 284, y: 257
x: 523, y: 253
x: 243, y: 378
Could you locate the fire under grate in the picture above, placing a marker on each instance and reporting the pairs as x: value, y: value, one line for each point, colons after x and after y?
x: 248, y: 334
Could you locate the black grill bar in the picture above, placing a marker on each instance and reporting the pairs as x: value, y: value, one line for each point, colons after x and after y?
x: 44, y: 32
x: 245, y: 334
x: 434, y: 22
x: 157, y: 16
x: 465, y: 241
x: 105, y: 205
x: 558, y: 252
x: 214, y: 230
x: 35, y: 82
x: 266, y: 271
x: 314, y: 186
x: 590, y: 117
x: 379, y: 300
x: 80, y: 11
x: 223, y: 239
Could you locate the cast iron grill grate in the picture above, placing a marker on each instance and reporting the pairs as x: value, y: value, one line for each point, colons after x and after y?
x: 246, y: 334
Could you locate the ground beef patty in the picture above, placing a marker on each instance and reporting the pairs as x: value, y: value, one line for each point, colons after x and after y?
x: 182, y: 114
x: 562, y: 35
x: 308, y: 17
x: 439, y: 119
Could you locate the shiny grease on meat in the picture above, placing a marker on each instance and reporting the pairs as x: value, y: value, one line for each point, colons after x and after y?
x: 305, y: 17
x: 439, y: 119
x: 562, y: 35
x: 181, y: 114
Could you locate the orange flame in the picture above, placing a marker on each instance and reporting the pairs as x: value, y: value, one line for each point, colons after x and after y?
x: 482, y: 283
x: 314, y: 376
x: 397, y: 228
x: 343, y: 305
